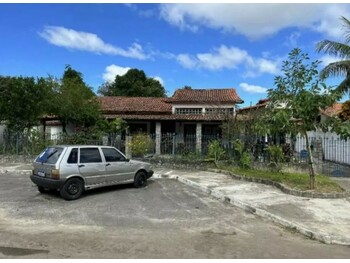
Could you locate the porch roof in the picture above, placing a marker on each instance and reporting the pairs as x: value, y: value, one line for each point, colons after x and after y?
x: 177, y: 117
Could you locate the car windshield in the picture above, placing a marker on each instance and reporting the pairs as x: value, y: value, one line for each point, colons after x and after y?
x: 50, y: 155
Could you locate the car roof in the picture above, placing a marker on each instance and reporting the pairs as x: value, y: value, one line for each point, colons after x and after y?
x: 80, y: 145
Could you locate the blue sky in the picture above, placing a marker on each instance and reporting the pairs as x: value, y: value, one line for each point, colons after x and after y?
x: 227, y: 45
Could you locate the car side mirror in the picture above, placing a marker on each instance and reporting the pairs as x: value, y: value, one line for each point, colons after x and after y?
x: 127, y: 160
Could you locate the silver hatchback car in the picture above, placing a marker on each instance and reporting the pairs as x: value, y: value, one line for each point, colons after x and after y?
x: 71, y: 169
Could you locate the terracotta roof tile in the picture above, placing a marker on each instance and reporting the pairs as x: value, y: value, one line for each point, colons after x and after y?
x: 222, y: 96
x: 335, y: 109
x: 134, y: 104
x: 261, y: 104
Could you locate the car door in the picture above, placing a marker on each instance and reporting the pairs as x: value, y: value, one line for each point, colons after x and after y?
x: 91, y: 166
x: 118, y: 168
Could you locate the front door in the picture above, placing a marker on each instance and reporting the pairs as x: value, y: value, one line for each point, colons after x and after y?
x: 118, y: 168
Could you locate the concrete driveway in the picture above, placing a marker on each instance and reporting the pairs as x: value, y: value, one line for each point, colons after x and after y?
x: 164, y: 220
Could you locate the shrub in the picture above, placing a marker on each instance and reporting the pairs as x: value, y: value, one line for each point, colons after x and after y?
x: 141, y: 144
x: 276, y: 156
x: 245, y: 160
x: 242, y: 156
x: 275, y: 153
x: 215, y: 151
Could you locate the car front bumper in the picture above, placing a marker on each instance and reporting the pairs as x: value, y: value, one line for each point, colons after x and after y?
x: 149, y: 173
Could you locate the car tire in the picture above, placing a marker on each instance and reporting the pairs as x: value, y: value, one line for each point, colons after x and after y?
x: 43, y: 190
x: 140, y: 179
x: 72, y: 189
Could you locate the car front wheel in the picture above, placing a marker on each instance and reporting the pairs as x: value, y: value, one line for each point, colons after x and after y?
x: 140, y: 180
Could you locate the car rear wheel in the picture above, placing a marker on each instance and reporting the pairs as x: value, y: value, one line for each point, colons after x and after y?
x: 140, y: 180
x: 72, y: 189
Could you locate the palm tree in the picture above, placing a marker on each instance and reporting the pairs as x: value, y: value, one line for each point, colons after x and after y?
x: 339, y: 68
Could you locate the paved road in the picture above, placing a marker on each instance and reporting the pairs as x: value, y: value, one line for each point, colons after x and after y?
x: 164, y: 220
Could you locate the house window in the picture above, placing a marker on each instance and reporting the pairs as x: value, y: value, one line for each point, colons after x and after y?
x: 196, y: 111
x: 219, y: 110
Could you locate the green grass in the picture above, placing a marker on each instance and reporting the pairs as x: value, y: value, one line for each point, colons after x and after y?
x: 291, y: 180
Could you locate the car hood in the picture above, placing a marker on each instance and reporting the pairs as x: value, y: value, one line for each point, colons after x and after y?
x: 140, y: 163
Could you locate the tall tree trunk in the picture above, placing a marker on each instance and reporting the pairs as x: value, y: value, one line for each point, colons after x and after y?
x: 311, y: 164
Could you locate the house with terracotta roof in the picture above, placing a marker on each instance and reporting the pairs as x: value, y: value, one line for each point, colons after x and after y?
x: 191, y: 113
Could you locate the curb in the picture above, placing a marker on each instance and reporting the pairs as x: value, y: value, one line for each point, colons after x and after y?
x: 320, y: 236
x: 21, y: 172
x: 285, y: 189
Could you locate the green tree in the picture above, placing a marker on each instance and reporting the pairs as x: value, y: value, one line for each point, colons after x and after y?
x: 23, y: 100
x: 339, y: 68
x: 74, y: 101
x: 296, y: 101
x: 134, y: 83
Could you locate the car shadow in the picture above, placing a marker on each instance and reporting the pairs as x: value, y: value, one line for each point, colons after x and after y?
x: 112, y: 188
x: 101, y: 190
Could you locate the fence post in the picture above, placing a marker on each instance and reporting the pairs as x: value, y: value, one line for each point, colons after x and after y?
x: 128, y: 152
x: 173, y: 150
x: 158, y: 137
x: 17, y: 143
x: 199, y: 137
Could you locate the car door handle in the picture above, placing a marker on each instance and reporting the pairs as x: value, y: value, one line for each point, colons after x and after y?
x: 108, y: 164
x: 81, y: 165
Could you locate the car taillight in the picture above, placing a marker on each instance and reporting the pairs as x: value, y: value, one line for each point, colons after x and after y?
x: 55, y: 174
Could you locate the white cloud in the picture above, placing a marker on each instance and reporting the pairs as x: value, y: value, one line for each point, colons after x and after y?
x: 292, y: 40
x: 71, y: 39
x: 229, y: 58
x: 326, y: 60
x: 256, y: 20
x: 330, y: 24
x: 186, y: 61
x: 252, y: 88
x: 219, y: 58
x: 267, y: 66
x: 161, y: 81
x: 112, y: 71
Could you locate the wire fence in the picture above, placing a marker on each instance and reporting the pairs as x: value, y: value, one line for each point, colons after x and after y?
x: 33, y: 142
x: 331, y: 154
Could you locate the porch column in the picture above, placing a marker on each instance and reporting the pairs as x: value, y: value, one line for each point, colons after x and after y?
x: 158, y: 137
x: 199, y: 137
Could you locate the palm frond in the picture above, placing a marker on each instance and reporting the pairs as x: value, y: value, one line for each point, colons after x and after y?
x: 336, y: 69
x: 333, y: 48
x: 344, y: 86
x: 346, y: 27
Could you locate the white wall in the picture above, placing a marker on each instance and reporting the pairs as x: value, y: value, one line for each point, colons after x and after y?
x: 334, y: 149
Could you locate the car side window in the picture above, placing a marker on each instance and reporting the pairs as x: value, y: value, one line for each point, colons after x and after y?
x: 73, y: 156
x: 90, y: 155
x: 112, y: 155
